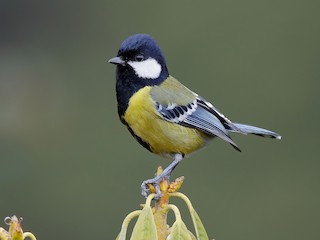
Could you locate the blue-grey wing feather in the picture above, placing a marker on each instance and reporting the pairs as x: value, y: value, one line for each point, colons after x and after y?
x: 202, y: 115
x: 195, y: 116
x: 236, y: 127
x: 208, y: 123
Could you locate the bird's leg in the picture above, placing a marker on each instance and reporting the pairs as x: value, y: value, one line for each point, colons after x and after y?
x: 156, y: 181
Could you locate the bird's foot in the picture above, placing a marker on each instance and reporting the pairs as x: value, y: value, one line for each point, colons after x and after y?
x: 161, y: 185
x: 153, y: 185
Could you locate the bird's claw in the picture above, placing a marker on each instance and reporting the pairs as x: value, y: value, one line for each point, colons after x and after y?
x: 153, y: 185
x: 145, y: 189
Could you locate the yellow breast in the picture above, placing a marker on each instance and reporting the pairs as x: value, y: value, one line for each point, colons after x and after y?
x: 163, y: 137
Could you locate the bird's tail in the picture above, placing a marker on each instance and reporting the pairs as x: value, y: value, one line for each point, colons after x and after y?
x: 245, y: 129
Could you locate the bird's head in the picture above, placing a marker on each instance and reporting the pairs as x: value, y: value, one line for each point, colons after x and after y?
x: 140, y: 59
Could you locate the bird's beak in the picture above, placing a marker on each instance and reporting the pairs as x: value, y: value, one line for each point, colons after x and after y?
x: 117, y: 61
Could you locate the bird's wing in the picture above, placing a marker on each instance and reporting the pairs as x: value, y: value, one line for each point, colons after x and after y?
x: 224, y: 120
x: 176, y: 103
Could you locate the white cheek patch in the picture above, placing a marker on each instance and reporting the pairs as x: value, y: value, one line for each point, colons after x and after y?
x: 149, y: 68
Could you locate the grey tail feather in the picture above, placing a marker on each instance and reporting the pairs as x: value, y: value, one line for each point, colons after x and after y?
x: 235, y: 146
x: 243, y: 128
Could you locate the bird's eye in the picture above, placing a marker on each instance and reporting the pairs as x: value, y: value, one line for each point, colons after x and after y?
x: 139, y: 58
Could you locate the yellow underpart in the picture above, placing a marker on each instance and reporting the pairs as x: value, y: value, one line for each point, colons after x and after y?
x: 163, y: 137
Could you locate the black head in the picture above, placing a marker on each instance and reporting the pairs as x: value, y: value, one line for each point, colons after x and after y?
x: 141, y: 61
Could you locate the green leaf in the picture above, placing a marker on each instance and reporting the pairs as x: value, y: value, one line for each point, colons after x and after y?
x: 200, y: 230
x: 145, y: 228
x: 192, y: 236
x: 179, y: 231
x: 122, y: 234
x: 126, y: 221
x: 118, y: 236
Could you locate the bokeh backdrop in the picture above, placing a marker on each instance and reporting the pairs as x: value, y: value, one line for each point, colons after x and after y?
x: 69, y: 167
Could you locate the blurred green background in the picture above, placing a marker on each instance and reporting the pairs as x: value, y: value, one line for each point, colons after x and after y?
x: 71, y: 169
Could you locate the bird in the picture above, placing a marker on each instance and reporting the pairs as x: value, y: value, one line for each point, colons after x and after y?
x: 162, y: 114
